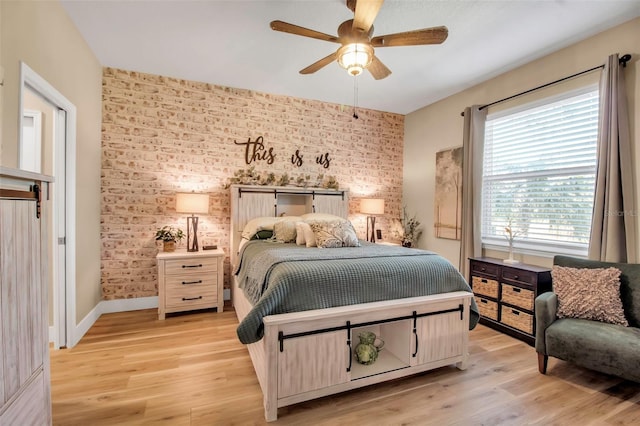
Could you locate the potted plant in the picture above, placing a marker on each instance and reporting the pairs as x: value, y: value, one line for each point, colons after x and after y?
x: 169, y: 237
x: 410, y: 229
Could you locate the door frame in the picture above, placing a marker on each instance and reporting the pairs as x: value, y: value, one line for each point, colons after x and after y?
x: 65, y: 254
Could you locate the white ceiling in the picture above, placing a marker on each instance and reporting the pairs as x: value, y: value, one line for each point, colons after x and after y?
x: 230, y: 43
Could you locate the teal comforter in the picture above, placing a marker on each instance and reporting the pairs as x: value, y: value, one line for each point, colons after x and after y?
x: 280, y: 278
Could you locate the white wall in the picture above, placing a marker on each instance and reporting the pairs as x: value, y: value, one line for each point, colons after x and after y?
x: 439, y: 126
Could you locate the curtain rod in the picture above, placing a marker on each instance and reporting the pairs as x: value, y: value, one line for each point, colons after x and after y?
x: 623, y: 61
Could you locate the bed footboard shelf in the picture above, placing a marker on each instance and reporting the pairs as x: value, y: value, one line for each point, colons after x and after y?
x: 310, y: 354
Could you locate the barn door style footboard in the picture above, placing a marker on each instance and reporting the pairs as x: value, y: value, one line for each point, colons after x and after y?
x: 310, y: 354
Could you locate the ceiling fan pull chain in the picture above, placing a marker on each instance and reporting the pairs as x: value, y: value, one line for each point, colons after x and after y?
x: 355, y: 97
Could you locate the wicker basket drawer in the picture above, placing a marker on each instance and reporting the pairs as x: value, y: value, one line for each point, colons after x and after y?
x: 487, y: 308
x: 485, y: 286
x: 517, y: 319
x: 517, y: 296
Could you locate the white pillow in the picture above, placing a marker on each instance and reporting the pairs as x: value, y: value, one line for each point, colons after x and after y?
x: 309, y: 236
x: 300, y: 239
x: 320, y: 216
x: 258, y: 224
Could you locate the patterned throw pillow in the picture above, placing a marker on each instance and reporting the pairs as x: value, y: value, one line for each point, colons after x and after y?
x: 331, y: 234
x: 586, y: 293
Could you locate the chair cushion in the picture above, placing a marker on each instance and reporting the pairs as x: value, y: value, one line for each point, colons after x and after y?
x: 608, y: 348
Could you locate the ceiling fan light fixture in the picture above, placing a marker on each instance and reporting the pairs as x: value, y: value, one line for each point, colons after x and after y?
x: 355, y: 57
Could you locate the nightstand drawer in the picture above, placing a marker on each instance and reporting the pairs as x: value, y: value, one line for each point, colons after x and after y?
x: 485, y: 269
x: 181, y: 283
x: 191, y: 296
x: 517, y: 296
x: 487, y: 308
x: 517, y: 319
x: 484, y: 286
x: 519, y: 276
x: 190, y: 266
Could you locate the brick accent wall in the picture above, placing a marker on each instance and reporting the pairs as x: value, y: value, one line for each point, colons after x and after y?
x: 163, y: 135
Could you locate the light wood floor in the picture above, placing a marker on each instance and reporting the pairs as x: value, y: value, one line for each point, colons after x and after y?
x: 190, y: 369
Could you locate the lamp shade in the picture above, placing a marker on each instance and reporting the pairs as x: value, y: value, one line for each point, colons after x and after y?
x: 192, y: 203
x: 372, y: 206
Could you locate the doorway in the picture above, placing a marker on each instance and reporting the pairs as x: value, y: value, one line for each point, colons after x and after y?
x: 52, y: 139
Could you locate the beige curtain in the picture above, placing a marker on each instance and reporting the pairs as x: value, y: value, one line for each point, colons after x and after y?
x: 613, y: 231
x: 472, y: 157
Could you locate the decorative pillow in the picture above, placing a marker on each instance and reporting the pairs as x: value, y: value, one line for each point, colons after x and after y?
x: 589, y: 293
x: 307, y: 232
x: 258, y: 224
x: 285, y: 231
x: 300, y: 240
x: 331, y: 234
x: 320, y: 216
x: 262, y: 235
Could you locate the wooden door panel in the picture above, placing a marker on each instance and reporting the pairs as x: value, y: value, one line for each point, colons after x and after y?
x: 313, y: 362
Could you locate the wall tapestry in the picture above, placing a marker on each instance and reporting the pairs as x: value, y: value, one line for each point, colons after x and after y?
x: 448, y: 205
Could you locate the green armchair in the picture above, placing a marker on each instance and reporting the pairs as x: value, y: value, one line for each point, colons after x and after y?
x: 608, y: 348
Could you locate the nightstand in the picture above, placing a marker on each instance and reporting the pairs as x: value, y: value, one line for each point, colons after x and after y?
x: 189, y: 281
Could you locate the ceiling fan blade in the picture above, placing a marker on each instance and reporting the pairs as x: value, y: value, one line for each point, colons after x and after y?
x: 297, y: 30
x: 319, y: 64
x: 377, y: 69
x: 365, y: 13
x: 435, y: 35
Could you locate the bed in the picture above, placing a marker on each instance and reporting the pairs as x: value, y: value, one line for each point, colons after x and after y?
x: 301, y: 310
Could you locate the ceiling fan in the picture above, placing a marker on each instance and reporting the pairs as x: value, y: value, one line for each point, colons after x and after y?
x: 355, y: 35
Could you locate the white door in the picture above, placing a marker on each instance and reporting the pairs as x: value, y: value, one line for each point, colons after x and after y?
x: 58, y: 159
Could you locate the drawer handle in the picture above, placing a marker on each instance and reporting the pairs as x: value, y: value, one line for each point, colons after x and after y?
x: 192, y: 266
x: 516, y: 277
x: 191, y: 298
x: 514, y: 312
x: 483, y: 268
x: 484, y: 281
x: 516, y: 289
x: 191, y: 282
x: 483, y: 301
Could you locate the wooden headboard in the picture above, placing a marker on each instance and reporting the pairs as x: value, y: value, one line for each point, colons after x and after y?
x: 251, y: 201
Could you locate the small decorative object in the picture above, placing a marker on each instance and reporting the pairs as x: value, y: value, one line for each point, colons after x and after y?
x: 367, y: 350
x: 192, y: 203
x: 410, y: 229
x: 510, y: 236
x: 169, y: 237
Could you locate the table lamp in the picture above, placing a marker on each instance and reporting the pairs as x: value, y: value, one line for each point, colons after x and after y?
x: 192, y: 203
x: 372, y: 207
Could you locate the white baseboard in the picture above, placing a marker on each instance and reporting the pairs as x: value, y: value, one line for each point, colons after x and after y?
x: 124, y: 305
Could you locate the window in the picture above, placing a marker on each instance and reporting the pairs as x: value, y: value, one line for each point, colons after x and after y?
x: 539, y: 174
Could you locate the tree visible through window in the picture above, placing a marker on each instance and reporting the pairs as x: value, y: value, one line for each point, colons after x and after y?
x: 539, y: 174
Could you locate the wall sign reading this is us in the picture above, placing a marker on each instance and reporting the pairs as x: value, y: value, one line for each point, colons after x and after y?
x: 255, y: 151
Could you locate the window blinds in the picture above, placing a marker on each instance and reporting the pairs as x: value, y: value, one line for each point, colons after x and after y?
x: 539, y: 174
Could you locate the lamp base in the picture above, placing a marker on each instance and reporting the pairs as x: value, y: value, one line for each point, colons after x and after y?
x: 371, y: 236
x: 192, y: 234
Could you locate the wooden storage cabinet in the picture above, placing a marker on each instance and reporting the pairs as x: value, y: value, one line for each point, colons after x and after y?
x: 505, y: 295
x: 189, y: 281
x: 25, y: 396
